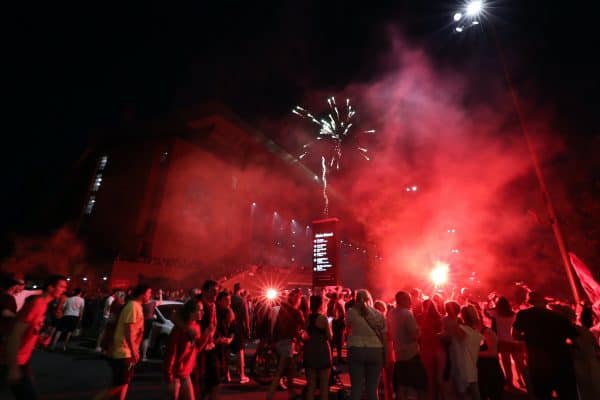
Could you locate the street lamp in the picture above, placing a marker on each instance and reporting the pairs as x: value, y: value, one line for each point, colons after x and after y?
x: 469, y: 16
x: 473, y: 10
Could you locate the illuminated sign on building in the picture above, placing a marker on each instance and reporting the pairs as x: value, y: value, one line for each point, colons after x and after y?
x: 325, y: 252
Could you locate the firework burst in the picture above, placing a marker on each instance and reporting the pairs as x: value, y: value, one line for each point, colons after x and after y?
x: 335, y: 127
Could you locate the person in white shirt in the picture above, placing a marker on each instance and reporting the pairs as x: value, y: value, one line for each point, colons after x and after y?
x: 105, y: 316
x: 73, y: 311
x: 465, y: 344
x: 21, y: 294
x: 503, y: 318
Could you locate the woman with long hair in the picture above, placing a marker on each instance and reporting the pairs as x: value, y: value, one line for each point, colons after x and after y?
x: 180, y: 357
x: 317, y: 352
x: 336, y: 312
x: 503, y: 318
x: 365, y: 346
x: 489, y: 374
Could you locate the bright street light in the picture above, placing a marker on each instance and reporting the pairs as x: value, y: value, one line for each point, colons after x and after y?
x: 469, y: 16
x: 474, y: 8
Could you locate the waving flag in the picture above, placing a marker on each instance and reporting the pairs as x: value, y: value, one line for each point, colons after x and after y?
x: 590, y: 285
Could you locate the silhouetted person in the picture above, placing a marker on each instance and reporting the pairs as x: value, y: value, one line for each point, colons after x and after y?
x: 545, y: 333
x: 239, y: 305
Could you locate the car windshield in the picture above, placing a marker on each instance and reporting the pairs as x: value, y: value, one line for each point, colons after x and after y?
x: 167, y: 310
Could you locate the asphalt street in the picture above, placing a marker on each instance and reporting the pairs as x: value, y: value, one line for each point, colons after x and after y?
x: 80, y: 374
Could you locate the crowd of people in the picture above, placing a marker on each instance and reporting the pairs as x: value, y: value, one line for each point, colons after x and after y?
x: 424, y: 346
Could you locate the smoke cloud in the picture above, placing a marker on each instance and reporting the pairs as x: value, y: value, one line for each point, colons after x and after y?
x: 475, y: 189
x: 59, y: 253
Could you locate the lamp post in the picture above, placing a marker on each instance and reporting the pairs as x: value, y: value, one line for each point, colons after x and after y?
x: 469, y: 18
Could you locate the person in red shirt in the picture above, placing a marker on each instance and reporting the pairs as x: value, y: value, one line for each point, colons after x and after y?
x: 25, y: 335
x: 182, y: 350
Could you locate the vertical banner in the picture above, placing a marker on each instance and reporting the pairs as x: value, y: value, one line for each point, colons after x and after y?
x: 325, y: 252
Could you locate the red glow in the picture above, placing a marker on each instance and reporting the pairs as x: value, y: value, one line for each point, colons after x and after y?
x: 470, y: 162
x: 439, y: 273
x: 271, y: 294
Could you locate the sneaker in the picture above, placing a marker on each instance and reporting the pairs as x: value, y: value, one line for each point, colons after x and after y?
x: 244, y: 379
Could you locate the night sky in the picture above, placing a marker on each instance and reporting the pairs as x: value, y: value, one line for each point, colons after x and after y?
x: 78, y: 70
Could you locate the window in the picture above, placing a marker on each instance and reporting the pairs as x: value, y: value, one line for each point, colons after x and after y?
x: 90, y: 205
x: 102, y: 164
x: 97, y: 183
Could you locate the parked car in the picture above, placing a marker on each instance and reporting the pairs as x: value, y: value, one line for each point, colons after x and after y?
x: 162, y: 326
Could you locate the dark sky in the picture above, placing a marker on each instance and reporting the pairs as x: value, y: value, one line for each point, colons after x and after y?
x: 78, y: 68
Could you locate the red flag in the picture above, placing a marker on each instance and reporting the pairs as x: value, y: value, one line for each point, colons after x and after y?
x: 591, y: 287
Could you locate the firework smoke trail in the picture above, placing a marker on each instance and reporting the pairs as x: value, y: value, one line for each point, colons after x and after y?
x: 324, y: 179
x: 336, y: 126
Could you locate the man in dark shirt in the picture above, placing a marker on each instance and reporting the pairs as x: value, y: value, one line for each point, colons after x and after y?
x: 545, y: 333
x: 242, y: 328
x: 288, y: 327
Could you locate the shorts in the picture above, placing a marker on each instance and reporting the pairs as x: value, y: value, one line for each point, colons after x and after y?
x: 122, y: 370
x: 285, y: 348
x: 410, y: 373
x: 68, y: 323
x: 147, y: 328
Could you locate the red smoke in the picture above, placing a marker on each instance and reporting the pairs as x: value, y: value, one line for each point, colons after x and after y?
x: 471, y: 167
x: 57, y: 253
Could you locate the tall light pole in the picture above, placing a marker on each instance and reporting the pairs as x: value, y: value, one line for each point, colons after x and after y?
x: 472, y: 12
